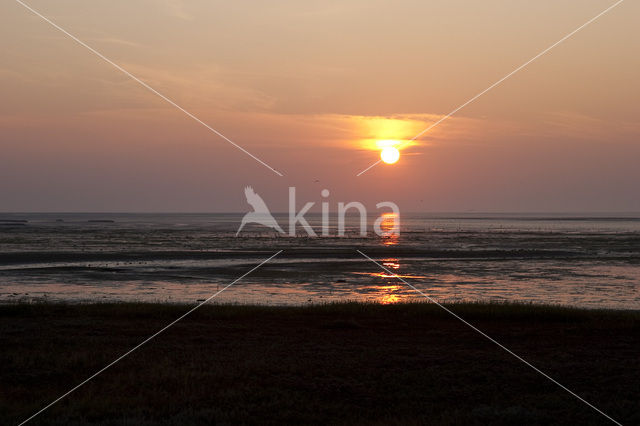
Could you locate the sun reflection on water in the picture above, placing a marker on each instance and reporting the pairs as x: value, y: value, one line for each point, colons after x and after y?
x: 387, y: 288
x: 389, y: 294
x: 389, y: 228
x: 391, y: 263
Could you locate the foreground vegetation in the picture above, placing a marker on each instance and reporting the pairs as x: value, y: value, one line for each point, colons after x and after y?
x: 349, y: 363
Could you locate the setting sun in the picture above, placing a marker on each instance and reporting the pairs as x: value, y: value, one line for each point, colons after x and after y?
x: 390, y: 154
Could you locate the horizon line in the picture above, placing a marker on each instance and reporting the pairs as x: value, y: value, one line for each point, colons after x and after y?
x: 497, y: 212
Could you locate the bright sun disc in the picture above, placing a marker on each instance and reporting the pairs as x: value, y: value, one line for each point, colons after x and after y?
x: 390, y: 154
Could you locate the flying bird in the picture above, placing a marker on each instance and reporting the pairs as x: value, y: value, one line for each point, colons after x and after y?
x: 260, y: 213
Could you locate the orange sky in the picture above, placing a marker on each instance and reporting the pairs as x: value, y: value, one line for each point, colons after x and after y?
x: 309, y: 88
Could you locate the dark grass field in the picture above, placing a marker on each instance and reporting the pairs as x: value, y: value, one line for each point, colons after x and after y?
x: 349, y: 363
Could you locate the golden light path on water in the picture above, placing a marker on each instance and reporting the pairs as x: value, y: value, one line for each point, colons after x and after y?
x: 389, y: 293
x: 389, y: 227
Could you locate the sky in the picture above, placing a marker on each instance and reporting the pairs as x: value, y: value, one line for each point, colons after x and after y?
x: 309, y: 87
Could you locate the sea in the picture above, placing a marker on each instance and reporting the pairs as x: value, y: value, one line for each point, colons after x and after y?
x: 590, y: 261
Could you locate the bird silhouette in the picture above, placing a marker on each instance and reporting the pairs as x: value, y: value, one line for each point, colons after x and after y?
x: 260, y: 213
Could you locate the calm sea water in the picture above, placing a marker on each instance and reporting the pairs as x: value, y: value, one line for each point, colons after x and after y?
x: 568, y: 259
